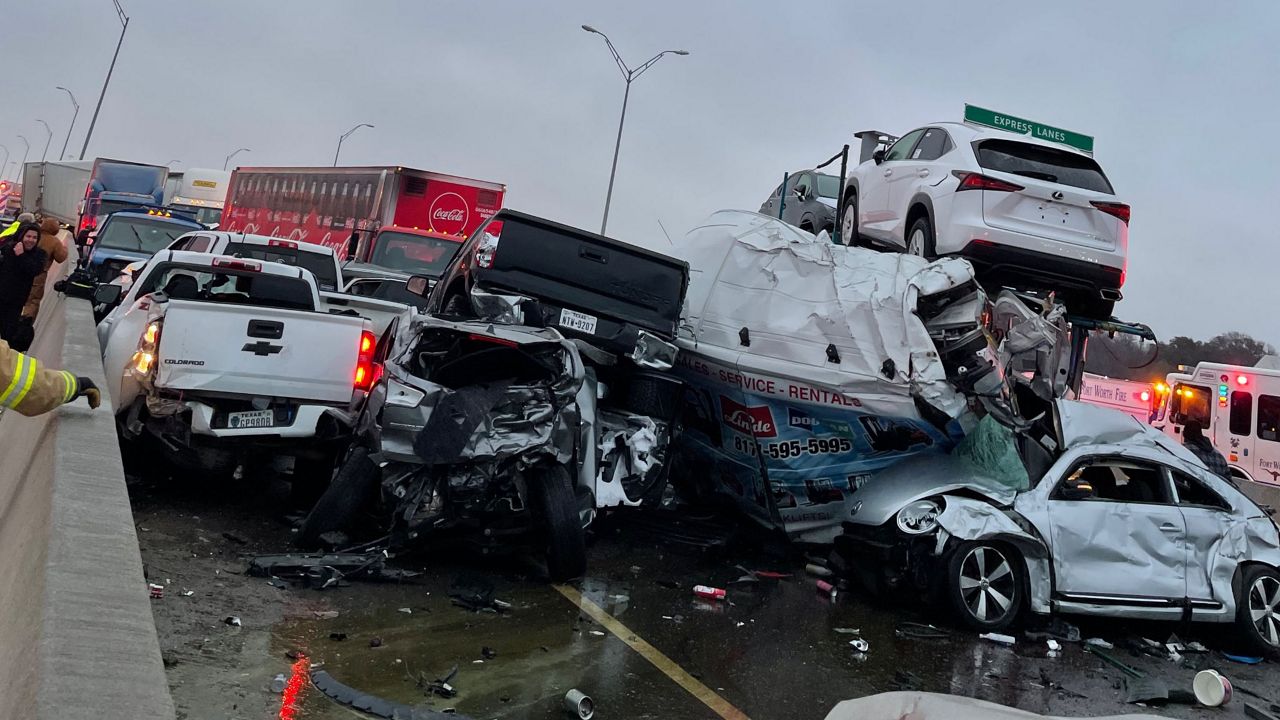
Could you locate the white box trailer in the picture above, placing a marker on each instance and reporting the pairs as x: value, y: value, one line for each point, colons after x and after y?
x: 56, y: 189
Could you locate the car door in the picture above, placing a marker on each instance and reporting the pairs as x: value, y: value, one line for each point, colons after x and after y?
x: 877, y: 216
x: 1206, y: 513
x: 1267, y: 444
x: 916, y: 174
x: 799, y: 194
x: 1117, y: 535
x: 1239, y: 445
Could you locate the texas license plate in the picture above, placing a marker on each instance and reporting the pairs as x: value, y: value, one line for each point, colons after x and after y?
x: 575, y: 320
x: 251, y: 419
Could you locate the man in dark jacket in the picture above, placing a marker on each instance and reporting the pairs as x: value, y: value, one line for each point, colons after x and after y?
x: 21, y: 260
x: 1194, y: 440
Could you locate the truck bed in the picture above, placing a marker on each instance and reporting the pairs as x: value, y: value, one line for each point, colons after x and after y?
x: 258, y: 351
x: 611, y: 283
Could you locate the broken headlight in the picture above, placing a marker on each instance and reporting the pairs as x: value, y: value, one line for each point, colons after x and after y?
x: 919, y: 517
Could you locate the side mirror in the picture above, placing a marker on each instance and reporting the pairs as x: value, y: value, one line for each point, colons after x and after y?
x: 1076, y: 491
x: 353, y: 244
x: 878, y: 156
x: 800, y: 192
x: 419, y: 285
x: 107, y: 294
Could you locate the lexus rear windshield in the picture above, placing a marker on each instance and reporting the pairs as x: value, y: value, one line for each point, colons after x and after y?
x: 321, y: 265
x: 1042, y: 163
x: 231, y: 286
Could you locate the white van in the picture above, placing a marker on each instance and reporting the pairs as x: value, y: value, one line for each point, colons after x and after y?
x: 1239, y: 408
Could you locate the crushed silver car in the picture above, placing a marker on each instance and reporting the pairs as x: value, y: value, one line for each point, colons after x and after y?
x: 1083, y: 510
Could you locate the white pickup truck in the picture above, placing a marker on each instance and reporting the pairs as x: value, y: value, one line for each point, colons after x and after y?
x: 231, y: 363
x: 320, y: 260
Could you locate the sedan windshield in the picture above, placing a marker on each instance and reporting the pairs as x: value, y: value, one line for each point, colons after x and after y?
x: 139, y: 234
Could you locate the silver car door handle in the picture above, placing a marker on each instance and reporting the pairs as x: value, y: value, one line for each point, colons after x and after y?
x: 887, y: 173
x: 924, y: 172
x: 1169, y: 527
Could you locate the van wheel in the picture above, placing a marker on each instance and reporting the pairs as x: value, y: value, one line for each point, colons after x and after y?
x: 849, y: 221
x: 1258, y: 610
x: 566, y: 542
x: 920, y: 241
x: 984, y: 585
x: 350, y: 492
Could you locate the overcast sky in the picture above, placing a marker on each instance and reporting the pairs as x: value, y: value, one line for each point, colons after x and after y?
x: 1181, y: 98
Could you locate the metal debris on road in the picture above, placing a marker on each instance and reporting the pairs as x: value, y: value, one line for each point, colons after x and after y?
x: 579, y: 705
x: 860, y: 645
x: 999, y: 638
x: 1112, y: 661
x: 325, y: 614
x: 920, y: 631
x: 371, y: 704
x: 817, y: 570
x: 405, y: 610
x: 322, y: 568
x: 188, y: 593
x: 232, y: 620
x: 1099, y: 643
x: 156, y: 591
x: 597, y: 633
x: 847, y: 631
x: 708, y: 592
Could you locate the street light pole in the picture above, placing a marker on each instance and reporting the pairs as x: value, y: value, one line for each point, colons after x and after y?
x: 344, y: 136
x: 237, y: 152
x: 49, y: 137
x: 76, y: 114
x: 124, y: 26
x: 23, y: 164
x: 629, y: 76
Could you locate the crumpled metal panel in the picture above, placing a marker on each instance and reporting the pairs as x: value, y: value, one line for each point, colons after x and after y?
x: 635, y: 455
x: 653, y: 352
x: 968, y: 519
x: 503, y: 308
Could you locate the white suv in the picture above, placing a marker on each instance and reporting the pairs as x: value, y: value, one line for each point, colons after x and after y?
x: 1028, y: 213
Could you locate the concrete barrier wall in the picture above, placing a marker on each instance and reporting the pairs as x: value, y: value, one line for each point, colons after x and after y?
x: 77, y: 639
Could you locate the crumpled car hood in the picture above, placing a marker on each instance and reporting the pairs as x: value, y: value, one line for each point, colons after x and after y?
x: 919, y: 477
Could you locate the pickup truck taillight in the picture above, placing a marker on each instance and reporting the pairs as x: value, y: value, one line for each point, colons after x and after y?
x: 144, y: 359
x: 367, y: 371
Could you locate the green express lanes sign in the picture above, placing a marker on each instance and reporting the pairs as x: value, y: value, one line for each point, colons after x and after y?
x: 1000, y: 121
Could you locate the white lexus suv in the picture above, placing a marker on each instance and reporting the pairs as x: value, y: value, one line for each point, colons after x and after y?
x: 1027, y: 213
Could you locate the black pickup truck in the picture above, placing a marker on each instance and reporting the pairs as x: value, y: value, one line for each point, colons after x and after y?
x: 603, y: 291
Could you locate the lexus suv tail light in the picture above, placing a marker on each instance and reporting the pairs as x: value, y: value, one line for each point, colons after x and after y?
x: 978, y: 181
x: 1118, y: 210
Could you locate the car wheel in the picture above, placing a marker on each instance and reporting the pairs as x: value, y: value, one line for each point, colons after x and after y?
x: 920, y: 238
x: 984, y: 585
x: 351, y: 490
x: 849, y: 221
x: 566, y: 540
x: 1258, y: 610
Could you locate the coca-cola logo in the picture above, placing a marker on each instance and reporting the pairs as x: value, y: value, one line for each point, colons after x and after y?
x: 449, y: 213
x: 755, y: 421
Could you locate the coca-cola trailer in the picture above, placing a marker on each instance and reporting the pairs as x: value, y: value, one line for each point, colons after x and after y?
x: 395, y: 217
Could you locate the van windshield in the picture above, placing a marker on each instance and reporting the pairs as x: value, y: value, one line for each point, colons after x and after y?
x: 225, y: 285
x: 1190, y: 402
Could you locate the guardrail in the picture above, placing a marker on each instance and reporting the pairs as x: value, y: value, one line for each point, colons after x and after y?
x: 77, y: 639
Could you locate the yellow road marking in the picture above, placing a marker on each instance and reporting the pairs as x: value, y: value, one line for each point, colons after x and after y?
x: 668, y: 667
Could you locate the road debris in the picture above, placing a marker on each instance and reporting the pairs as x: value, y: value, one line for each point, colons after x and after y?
x: 709, y: 593
x: 999, y: 638
x: 232, y: 620
x: 860, y: 645
x: 1211, y: 688
x: 188, y: 593
x: 155, y: 591
x: 1112, y: 661
x: 488, y: 653
x: 817, y: 570
x: 375, y: 642
x: 339, y: 636
x: 476, y: 594
x: 1099, y: 643
x: 325, y: 614
x: 277, y: 683
x: 847, y: 631
x: 579, y: 705
x: 442, y: 686
x: 920, y: 631
x: 826, y: 588
x: 235, y: 538
x: 366, y: 703
x: 326, y: 569
x: 405, y: 610
x: 1243, y: 659
x: 597, y: 633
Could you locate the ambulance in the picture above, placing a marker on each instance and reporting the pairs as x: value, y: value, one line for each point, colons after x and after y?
x: 1130, y: 397
x: 1239, y: 408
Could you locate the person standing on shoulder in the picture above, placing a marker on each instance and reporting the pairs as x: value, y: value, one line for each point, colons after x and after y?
x: 21, y: 260
x: 1194, y: 440
x: 33, y: 390
x: 55, y: 251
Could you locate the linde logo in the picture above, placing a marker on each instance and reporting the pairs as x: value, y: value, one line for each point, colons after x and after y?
x: 755, y: 421
x: 449, y: 213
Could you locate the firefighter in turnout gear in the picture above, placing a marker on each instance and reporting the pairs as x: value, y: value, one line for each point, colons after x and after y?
x: 33, y: 390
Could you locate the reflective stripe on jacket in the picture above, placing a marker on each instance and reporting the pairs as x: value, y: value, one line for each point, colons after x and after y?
x: 29, y: 388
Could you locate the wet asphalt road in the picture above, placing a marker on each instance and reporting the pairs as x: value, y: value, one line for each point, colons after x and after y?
x: 772, y: 649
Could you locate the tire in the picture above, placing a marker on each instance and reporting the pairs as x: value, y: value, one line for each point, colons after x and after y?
x: 979, y: 575
x: 849, y: 221
x: 1260, y: 596
x: 920, y: 240
x: 566, y: 540
x: 350, y: 492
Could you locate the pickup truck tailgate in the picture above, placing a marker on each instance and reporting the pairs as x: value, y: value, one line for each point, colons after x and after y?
x: 267, y: 352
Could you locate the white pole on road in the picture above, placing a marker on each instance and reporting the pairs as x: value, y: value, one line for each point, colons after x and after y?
x: 237, y: 152
x: 344, y: 136
x: 628, y: 75
x: 49, y: 137
x: 76, y: 114
x: 23, y: 164
x: 124, y: 26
